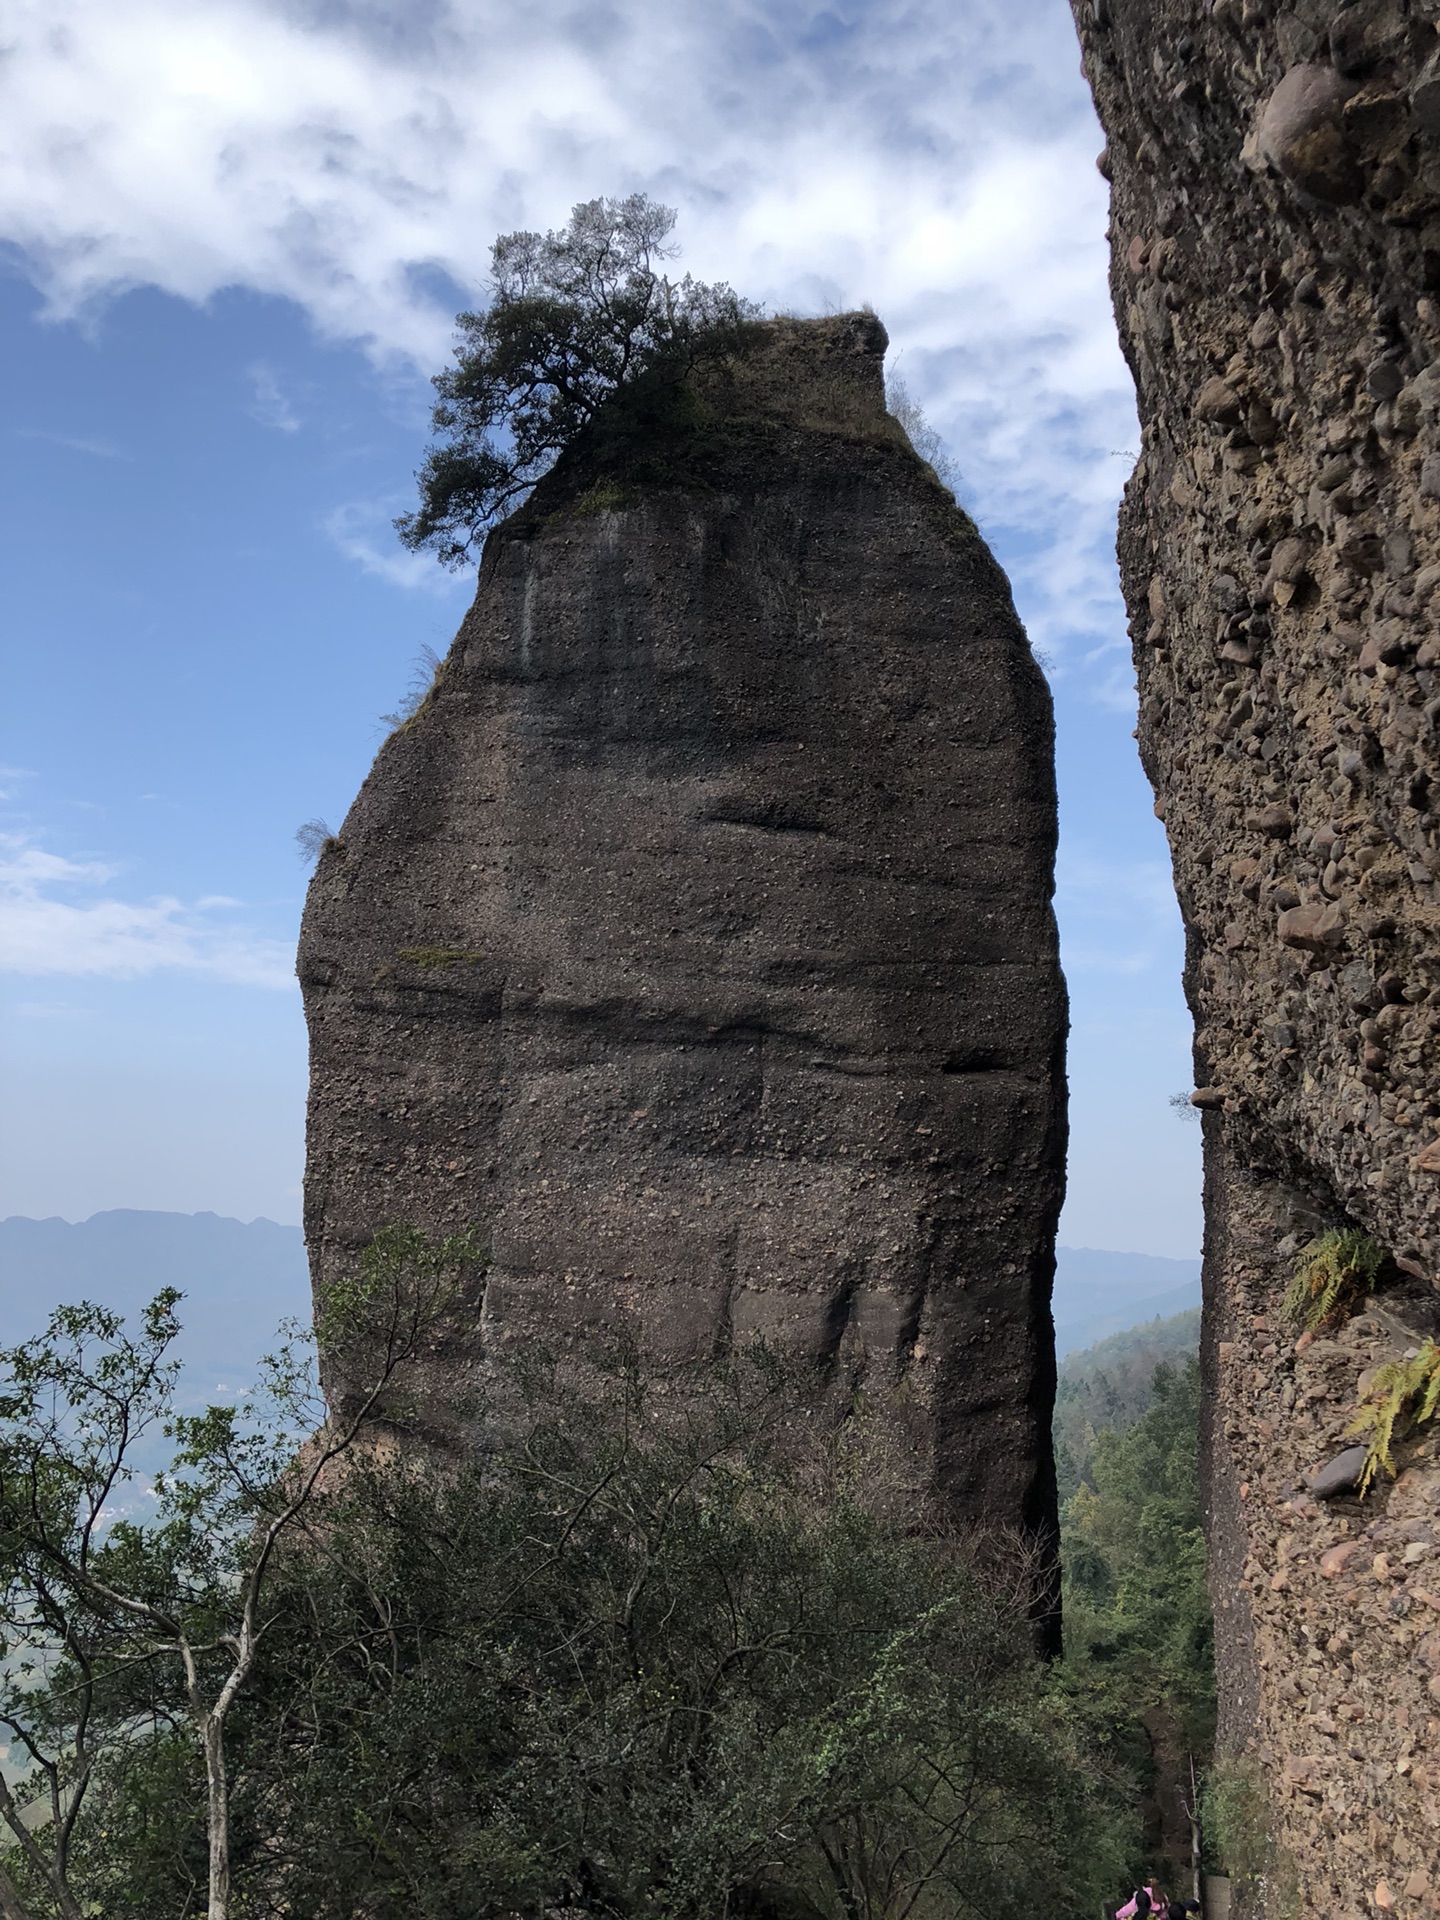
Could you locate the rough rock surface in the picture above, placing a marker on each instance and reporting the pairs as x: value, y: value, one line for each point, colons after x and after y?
x: 1276, y: 273
x: 695, y: 939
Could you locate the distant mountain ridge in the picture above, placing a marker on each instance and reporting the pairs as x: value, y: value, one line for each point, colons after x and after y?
x: 241, y: 1278
x: 1099, y: 1293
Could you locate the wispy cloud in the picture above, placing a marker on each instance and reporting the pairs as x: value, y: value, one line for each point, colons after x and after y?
x: 11, y: 780
x: 59, y: 918
x: 271, y: 404
x: 363, y: 532
x: 937, y: 160
x: 1116, y: 917
x: 100, y: 449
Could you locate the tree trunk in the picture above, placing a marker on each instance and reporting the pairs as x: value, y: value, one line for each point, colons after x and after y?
x: 217, y: 1785
x: 12, y: 1907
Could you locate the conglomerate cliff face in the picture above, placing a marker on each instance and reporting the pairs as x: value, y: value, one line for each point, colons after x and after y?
x: 1276, y: 273
x: 695, y: 940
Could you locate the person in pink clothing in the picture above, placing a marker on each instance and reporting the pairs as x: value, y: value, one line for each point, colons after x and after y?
x: 1145, y: 1900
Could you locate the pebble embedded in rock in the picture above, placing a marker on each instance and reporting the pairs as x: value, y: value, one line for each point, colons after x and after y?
x: 1425, y: 99
x: 1384, y: 380
x: 1217, y: 400
x: 1338, y: 1475
x: 1275, y: 819
x: 1313, y: 928
x: 1302, y: 134
x: 1334, y: 1560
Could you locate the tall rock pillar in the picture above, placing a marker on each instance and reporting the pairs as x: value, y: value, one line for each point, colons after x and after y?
x: 695, y: 939
x: 1276, y: 273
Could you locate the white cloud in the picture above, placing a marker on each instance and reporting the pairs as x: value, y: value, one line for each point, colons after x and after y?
x: 934, y: 159
x: 58, y: 920
x: 363, y: 531
x: 271, y: 405
x: 13, y: 777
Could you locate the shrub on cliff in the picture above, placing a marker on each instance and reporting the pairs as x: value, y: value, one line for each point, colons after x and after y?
x: 1332, y: 1277
x: 1404, y: 1394
x: 573, y: 318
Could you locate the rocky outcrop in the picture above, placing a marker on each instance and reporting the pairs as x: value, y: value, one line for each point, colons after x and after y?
x: 694, y: 938
x: 1276, y: 272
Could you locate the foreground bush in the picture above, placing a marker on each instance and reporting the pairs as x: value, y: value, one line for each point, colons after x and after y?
x: 659, y: 1651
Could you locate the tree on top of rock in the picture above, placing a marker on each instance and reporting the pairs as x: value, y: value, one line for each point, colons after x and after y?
x: 574, y: 317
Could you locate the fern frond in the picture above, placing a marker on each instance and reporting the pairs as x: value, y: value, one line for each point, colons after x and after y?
x: 1404, y: 1394
x: 1332, y: 1275
x: 1430, y: 1360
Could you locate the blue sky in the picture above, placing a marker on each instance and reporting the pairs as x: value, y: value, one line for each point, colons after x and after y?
x: 234, y: 238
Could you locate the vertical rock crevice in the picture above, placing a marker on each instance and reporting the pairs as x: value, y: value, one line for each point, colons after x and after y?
x: 659, y: 941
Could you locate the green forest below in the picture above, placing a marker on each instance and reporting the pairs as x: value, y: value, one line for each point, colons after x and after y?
x: 1139, y: 1642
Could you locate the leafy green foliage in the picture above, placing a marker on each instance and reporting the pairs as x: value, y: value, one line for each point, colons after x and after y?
x: 131, y: 1618
x: 1108, y: 1387
x: 574, y: 318
x: 655, y: 1656
x: 1135, y: 1555
x: 1332, y: 1276
x: 658, y: 1651
x: 1404, y: 1394
x: 1139, y: 1636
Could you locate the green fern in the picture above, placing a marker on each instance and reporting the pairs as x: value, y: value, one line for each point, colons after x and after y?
x: 1404, y: 1395
x: 1332, y: 1276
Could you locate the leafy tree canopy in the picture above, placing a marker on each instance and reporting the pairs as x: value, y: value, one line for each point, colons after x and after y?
x: 1135, y: 1556
x: 1108, y: 1387
x: 661, y: 1652
x: 132, y: 1617
x: 574, y: 317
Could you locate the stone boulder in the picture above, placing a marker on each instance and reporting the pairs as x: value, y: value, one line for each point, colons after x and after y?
x: 694, y: 938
